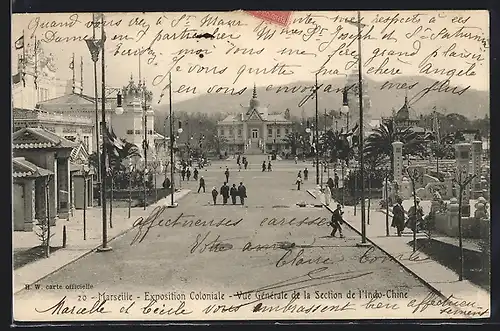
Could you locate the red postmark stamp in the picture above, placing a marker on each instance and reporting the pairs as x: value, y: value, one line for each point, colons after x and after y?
x: 278, y: 17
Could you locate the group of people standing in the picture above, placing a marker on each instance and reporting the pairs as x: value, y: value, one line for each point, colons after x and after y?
x: 415, y: 216
x: 241, y: 160
x: 233, y: 192
x: 186, y: 173
x: 268, y: 167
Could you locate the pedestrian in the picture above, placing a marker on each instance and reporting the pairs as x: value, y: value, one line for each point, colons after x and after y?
x: 214, y: 195
x: 330, y: 184
x: 195, y: 174
x: 242, y: 193
x: 188, y: 173
x: 166, y: 183
x: 246, y: 163
x: 269, y: 168
x: 296, y: 159
x: 336, y: 180
x: 238, y: 159
x: 227, y: 174
x: 300, y: 174
x: 183, y: 173
x: 415, y: 215
x: 224, y: 191
x: 306, y: 174
x: 298, y: 181
x: 202, y: 184
x: 234, y: 193
x: 328, y: 195
x: 263, y: 166
x: 398, y: 216
x: 336, y: 221
x: 239, y: 167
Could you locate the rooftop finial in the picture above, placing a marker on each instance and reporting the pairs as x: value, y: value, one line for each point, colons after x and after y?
x: 406, y: 96
x: 254, y: 91
x: 131, y: 77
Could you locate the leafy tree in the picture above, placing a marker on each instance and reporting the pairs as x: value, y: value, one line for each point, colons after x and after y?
x: 293, y: 140
x: 440, y: 151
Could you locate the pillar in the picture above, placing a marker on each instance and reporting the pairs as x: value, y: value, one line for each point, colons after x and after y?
x: 477, y: 151
x: 245, y: 136
x: 29, y: 203
x: 264, y: 137
x: 462, y: 154
x: 63, y: 187
x: 397, y: 151
x: 452, y: 215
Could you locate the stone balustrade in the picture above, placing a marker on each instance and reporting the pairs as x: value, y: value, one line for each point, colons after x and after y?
x: 43, y: 116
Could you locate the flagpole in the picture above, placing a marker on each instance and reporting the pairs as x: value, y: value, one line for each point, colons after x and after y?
x: 361, y: 138
x: 105, y: 246
x: 97, y: 126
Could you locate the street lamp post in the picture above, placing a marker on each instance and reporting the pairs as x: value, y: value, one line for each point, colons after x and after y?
x: 85, y: 172
x: 104, y: 247
x: 316, y: 140
x: 172, y: 165
x: 111, y: 198
x: 387, y: 172
x: 129, y: 186
x: 361, y: 138
x: 47, y: 216
x: 145, y: 142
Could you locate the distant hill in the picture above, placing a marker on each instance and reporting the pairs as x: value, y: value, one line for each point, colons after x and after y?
x: 472, y: 103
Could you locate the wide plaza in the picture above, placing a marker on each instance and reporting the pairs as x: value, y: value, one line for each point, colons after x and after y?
x: 268, y: 240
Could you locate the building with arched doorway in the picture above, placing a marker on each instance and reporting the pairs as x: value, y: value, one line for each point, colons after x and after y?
x: 255, y: 130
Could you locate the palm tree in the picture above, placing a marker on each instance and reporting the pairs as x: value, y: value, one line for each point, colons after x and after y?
x: 380, y: 141
x: 293, y: 139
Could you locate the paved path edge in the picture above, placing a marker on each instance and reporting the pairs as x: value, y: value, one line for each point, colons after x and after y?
x: 425, y: 282
x: 84, y: 254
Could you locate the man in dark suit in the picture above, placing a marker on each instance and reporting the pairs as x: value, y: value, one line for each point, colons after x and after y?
x: 242, y: 192
x: 224, y: 191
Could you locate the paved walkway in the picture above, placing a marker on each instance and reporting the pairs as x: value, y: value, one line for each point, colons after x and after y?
x: 437, y: 276
x: 76, y: 246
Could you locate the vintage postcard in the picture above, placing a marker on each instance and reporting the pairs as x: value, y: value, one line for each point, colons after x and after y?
x: 250, y: 165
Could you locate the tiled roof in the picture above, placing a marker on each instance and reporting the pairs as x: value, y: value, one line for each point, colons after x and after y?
x: 79, y: 152
x: 34, y: 138
x: 22, y: 169
x: 73, y: 98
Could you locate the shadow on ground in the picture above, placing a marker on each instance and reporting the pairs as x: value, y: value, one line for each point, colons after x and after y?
x: 448, y: 255
x: 24, y: 257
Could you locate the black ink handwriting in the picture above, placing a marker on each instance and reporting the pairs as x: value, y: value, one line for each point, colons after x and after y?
x: 61, y: 308
x: 369, y: 258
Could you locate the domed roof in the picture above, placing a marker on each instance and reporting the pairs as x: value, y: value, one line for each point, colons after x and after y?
x: 406, y: 113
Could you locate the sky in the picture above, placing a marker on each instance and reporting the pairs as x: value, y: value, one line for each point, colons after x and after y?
x: 450, y: 45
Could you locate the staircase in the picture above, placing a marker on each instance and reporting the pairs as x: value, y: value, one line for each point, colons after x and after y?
x: 253, y: 149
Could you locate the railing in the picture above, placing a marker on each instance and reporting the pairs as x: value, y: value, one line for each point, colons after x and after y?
x: 36, y: 115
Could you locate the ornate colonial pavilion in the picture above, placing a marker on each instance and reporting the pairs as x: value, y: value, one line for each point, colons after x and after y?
x: 255, y: 131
